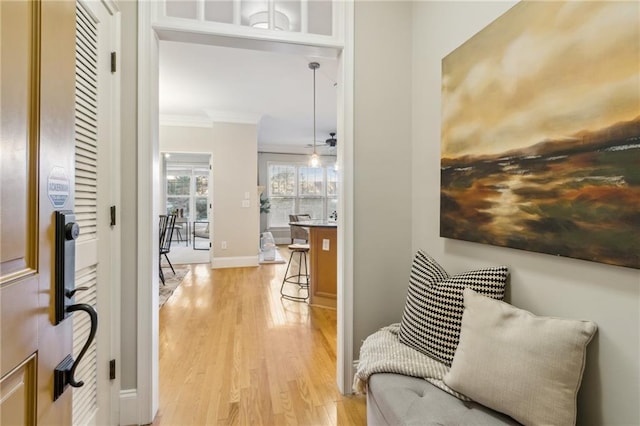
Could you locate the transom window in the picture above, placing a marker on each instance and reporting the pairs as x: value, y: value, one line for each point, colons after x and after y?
x: 298, y: 189
x: 299, y: 16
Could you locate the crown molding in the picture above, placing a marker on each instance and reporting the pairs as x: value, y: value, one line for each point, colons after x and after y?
x: 211, y: 118
x: 271, y: 148
x: 234, y: 117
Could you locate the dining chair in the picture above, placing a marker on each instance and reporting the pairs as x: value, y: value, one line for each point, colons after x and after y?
x: 200, y: 230
x: 181, y: 230
x: 167, y: 223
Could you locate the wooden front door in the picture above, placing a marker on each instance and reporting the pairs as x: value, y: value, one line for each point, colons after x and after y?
x: 37, y: 40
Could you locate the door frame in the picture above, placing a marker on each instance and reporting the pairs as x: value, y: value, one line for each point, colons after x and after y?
x: 109, y: 397
x: 147, y: 394
x: 113, y: 9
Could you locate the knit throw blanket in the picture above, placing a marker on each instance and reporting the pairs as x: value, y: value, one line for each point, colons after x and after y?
x: 382, y: 352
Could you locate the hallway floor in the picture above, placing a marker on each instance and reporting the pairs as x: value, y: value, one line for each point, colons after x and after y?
x: 233, y: 352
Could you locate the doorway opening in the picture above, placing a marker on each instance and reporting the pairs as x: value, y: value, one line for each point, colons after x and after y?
x: 148, y: 157
x: 186, y: 186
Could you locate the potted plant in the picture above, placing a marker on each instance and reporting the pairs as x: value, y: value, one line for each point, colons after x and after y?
x: 265, y: 205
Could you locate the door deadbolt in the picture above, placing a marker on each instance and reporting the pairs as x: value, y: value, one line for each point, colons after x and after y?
x: 71, y: 231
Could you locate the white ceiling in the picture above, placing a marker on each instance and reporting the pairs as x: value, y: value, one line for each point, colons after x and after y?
x: 204, y: 82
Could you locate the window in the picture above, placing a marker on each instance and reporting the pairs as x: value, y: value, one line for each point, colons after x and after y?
x: 188, y: 189
x: 201, y: 195
x: 298, y: 188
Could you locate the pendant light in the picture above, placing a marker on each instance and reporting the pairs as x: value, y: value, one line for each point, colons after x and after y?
x: 315, y: 159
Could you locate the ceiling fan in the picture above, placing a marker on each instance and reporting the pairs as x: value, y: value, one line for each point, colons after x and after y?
x: 332, y: 141
x: 330, y: 144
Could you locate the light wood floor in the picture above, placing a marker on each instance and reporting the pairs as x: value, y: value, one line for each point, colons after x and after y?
x: 233, y: 352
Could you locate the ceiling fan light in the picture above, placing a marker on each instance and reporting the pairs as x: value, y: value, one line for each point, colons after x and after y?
x: 261, y: 20
x: 315, y: 160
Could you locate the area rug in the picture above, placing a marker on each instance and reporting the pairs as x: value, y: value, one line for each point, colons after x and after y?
x: 171, y: 282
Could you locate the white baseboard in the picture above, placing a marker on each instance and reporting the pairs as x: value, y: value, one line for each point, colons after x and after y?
x: 234, y: 262
x: 129, y: 407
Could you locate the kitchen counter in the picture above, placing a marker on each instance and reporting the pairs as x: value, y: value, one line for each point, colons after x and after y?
x: 323, y: 249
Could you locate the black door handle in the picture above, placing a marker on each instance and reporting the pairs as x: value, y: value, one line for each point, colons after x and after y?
x: 64, y: 373
x: 93, y: 315
x: 71, y: 293
x: 67, y: 231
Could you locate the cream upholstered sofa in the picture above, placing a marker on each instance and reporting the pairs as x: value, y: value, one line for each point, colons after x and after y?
x: 396, y: 399
x: 463, y: 356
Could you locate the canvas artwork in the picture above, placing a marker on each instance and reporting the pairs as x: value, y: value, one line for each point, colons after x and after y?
x: 541, y: 132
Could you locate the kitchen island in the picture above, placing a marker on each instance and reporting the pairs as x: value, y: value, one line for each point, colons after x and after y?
x: 323, y: 262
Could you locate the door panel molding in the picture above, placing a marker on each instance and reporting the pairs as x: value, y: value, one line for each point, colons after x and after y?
x: 18, y: 394
x: 20, y: 41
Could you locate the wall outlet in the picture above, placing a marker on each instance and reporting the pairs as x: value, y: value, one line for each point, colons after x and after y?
x: 246, y: 203
x: 325, y: 245
x: 223, y: 245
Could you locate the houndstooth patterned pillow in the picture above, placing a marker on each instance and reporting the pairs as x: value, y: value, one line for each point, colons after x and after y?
x: 433, y: 310
x: 425, y: 271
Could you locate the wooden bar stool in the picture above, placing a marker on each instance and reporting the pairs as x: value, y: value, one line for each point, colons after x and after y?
x: 298, y: 281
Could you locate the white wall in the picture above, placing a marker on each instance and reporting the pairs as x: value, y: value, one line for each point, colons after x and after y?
x: 382, y: 169
x: 543, y: 284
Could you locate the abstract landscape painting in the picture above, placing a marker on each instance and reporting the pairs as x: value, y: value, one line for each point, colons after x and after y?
x: 541, y: 132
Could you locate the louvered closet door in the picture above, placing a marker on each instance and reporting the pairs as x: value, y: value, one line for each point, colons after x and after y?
x: 92, y: 165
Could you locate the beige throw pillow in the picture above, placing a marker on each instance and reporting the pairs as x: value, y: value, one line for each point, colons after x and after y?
x: 525, y: 366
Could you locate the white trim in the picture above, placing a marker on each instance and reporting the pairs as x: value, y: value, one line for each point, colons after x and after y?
x: 344, y: 353
x: 304, y: 16
x: 185, y: 121
x: 234, y: 117
x: 200, y: 10
x: 112, y: 7
x: 209, y: 32
x: 116, y: 200
x: 237, y: 10
x: 235, y: 262
x: 148, y: 191
x: 128, y: 407
x: 294, y: 148
x: 211, y: 118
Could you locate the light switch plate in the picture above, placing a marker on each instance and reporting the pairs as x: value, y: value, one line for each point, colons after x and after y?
x: 325, y: 245
x: 246, y: 203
